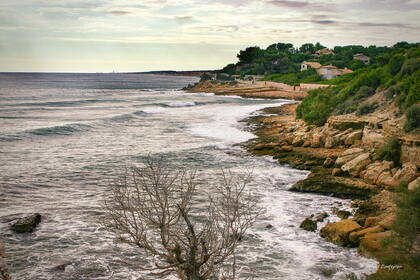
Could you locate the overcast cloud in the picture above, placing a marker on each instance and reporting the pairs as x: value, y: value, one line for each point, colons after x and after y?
x: 129, y: 35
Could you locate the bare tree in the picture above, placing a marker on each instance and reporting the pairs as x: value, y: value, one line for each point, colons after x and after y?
x: 153, y: 208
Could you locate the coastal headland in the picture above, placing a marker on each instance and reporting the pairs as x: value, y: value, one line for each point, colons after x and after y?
x: 342, y: 157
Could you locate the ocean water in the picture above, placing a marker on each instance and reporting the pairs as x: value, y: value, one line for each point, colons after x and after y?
x: 65, y: 137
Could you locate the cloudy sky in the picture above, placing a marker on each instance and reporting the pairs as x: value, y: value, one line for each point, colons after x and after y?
x: 139, y: 35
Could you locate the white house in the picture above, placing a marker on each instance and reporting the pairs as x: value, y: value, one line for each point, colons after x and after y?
x: 363, y: 58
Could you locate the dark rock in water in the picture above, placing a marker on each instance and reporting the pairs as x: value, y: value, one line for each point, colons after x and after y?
x: 26, y: 224
x: 321, y: 217
x: 343, y: 214
x: 269, y: 226
x: 308, y: 225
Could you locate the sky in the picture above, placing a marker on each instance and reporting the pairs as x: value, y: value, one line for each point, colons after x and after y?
x: 143, y: 35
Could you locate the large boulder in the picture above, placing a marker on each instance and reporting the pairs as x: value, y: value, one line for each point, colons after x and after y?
x: 357, y: 164
x: 339, y: 232
x: 353, y: 137
x: 414, y: 184
x: 26, y: 224
x: 355, y: 236
x: 388, y: 221
x: 348, y: 155
x: 374, y: 170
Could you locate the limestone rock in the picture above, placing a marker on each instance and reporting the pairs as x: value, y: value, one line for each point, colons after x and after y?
x: 374, y: 170
x: 388, y: 221
x: 339, y: 232
x: 357, y: 164
x: 329, y: 142
x: 348, y: 155
x: 372, y: 139
x: 317, y: 140
x: 371, y: 244
x: 386, y: 179
x: 26, y: 224
x: 308, y: 225
x: 356, y: 235
x: 353, y: 137
x: 371, y: 221
x: 414, y: 184
x: 407, y: 173
x: 297, y: 141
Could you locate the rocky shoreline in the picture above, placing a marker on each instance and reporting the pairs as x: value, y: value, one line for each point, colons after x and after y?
x: 342, y: 163
x: 341, y: 157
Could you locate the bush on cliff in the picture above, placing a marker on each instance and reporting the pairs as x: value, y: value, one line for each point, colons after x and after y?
x: 391, y: 151
x: 413, y: 119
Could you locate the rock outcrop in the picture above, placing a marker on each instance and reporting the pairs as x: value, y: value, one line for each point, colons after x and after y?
x: 308, y: 225
x: 339, y: 232
x: 26, y: 224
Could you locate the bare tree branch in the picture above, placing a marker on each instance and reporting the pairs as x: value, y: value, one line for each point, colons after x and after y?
x: 152, y: 208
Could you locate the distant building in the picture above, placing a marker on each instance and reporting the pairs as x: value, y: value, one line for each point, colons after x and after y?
x: 307, y: 65
x: 363, y: 58
x: 324, y: 51
x: 329, y: 72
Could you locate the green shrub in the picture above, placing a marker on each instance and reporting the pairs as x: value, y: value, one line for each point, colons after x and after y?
x: 395, y: 64
x: 391, y: 151
x: 365, y: 109
x: 413, y: 118
x: 410, y: 66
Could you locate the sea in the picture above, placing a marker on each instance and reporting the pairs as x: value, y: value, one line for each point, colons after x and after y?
x: 65, y: 138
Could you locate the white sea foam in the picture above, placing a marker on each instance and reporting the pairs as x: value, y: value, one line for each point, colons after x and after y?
x: 222, y: 122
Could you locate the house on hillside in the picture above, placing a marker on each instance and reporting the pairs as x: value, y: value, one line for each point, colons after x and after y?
x: 324, y: 51
x: 307, y: 65
x: 329, y: 72
x: 363, y: 58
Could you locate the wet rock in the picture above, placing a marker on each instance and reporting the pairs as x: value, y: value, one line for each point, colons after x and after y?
x: 329, y: 162
x: 269, y: 226
x: 265, y: 146
x: 355, y: 236
x: 339, y: 232
x: 26, y: 224
x: 308, y: 225
x: 321, y: 217
x: 414, y: 184
x: 343, y: 214
x: 353, y: 137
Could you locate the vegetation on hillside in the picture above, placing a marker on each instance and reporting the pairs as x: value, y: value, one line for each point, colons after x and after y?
x: 397, y: 73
